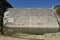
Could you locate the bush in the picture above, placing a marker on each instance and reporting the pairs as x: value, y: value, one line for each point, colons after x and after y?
x: 58, y: 11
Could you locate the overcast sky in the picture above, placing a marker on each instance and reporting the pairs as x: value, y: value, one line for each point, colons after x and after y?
x: 33, y: 3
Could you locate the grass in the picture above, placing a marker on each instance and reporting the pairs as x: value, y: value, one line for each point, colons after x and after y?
x: 20, y: 35
x: 24, y: 36
x: 37, y: 39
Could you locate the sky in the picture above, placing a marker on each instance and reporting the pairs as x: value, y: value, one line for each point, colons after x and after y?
x: 33, y: 3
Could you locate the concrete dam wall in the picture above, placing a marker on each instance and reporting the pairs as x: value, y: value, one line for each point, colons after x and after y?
x: 30, y: 20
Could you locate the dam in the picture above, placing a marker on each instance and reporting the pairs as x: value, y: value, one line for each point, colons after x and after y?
x: 30, y: 20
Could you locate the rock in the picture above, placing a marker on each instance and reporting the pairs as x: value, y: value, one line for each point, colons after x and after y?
x: 33, y: 20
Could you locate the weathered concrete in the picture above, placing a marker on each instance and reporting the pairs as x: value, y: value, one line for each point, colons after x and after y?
x: 30, y: 20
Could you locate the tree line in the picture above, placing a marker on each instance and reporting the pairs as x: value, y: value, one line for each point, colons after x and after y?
x: 57, y: 9
x: 3, y: 6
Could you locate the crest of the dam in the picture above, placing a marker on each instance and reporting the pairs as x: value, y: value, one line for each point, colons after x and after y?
x: 30, y: 20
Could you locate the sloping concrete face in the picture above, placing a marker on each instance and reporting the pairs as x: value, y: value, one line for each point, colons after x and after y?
x: 31, y: 20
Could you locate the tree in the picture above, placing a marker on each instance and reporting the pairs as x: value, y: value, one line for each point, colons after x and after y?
x: 57, y: 8
x: 58, y: 11
x: 3, y: 6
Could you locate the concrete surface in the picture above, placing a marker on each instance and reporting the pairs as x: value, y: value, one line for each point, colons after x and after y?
x: 30, y: 20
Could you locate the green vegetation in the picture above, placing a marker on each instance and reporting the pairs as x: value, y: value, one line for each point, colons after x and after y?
x: 20, y: 35
x: 37, y: 39
x: 26, y: 36
x: 3, y: 6
x: 58, y: 11
x: 57, y: 8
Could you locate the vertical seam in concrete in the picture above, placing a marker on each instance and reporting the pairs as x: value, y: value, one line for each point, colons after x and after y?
x: 56, y: 16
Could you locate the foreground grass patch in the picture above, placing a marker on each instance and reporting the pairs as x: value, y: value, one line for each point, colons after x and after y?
x: 20, y: 35
x: 27, y: 36
x: 36, y: 39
